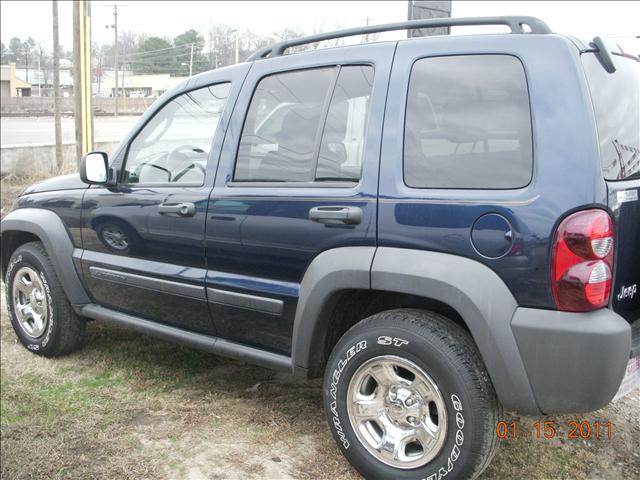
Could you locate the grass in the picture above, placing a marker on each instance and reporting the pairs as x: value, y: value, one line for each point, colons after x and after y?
x: 157, y: 406
x: 128, y: 406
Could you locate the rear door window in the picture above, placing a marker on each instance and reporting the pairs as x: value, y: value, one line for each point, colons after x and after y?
x: 468, y: 123
x: 306, y: 126
x: 616, y: 103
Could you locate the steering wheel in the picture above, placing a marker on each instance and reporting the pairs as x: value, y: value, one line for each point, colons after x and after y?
x: 144, y: 165
x: 180, y: 148
x: 185, y: 170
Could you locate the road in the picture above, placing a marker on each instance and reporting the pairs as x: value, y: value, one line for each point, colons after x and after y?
x: 40, y: 130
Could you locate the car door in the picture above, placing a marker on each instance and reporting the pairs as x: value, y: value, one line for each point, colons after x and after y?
x: 143, y: 239
x: 297, y: 176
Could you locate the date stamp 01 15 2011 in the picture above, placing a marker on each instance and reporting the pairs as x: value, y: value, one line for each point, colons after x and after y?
x: 575, y: 429
x: 554, y: 430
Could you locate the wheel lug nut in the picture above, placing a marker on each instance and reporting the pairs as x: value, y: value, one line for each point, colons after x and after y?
x: 411, y: 419
x: 409, y: 402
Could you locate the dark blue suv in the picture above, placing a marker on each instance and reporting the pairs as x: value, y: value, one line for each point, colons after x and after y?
x: 443, y: 227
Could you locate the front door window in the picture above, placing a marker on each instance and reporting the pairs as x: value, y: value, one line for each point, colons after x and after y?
x: 174, y: 145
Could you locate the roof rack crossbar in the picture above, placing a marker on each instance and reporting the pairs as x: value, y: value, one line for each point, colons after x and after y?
x: 515, y: 23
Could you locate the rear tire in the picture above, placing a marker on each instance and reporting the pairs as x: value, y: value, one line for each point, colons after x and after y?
x: 407, y: 396
x: 38, y: 308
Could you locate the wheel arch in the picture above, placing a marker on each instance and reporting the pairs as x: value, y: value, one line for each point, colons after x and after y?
x: 34, y: 224
x: 462, y: 289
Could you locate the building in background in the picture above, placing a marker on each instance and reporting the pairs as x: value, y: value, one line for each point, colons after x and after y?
x: 11, y: 85
x: 44, y: 77
x: 422, y: 9
x: 137, y: 85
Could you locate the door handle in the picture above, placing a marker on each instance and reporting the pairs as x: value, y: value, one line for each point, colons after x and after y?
x: 179, y: 209
x: 336, y: 215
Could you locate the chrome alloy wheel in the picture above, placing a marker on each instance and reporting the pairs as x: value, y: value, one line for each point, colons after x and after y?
x: 30, y: 304
x: 397, y: 412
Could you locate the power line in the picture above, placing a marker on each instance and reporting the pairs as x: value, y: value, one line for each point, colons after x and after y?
x: 150, y: 54
x: 158, y: 50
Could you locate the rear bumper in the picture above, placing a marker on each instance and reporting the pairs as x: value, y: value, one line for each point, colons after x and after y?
x: 575, y: 362
x: 635, y: 338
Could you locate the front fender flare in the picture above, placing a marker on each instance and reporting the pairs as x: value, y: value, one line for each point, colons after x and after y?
x: 50, y: 229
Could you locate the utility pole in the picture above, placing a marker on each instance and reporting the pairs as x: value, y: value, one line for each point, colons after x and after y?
x: 115, y: 29
x: 115, y: 55
x: 82, y: 77
x: 26, y: 60
x: 56, y: 87
x: 191, y: 62
x: 123, y: 67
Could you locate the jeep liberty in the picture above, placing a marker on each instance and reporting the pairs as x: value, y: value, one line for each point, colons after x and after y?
x: 442, y: 227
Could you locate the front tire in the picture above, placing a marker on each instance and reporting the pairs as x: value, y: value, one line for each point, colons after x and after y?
x: 407, y: 396
x: 38, y: 308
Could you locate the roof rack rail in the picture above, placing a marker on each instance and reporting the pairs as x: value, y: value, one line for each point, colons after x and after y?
x: 516, y: 23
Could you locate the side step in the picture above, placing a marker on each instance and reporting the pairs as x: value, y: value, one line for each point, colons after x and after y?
x: 199, y: 341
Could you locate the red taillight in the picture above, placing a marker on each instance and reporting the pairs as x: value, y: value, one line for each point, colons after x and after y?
x: 582, y: 261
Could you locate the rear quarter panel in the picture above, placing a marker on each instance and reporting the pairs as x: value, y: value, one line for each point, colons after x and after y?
x: 566, y: 172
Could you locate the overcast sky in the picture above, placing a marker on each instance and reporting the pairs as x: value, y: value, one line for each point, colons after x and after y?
x: 164, y: 18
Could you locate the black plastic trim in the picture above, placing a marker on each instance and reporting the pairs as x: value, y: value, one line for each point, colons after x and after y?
x: 635, y: 339
x: 604, y: 55
x: 479, y: 296
x: 150, y: 283
x: 243, y: 300
x: 575, y: 361
x: 207, y: 343
x: 51, y: 231
x: 330, y: 273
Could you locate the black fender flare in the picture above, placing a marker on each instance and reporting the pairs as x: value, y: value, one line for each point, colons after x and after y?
x: 49, y: 228
x: 330, y: 273
x: 472, y: 289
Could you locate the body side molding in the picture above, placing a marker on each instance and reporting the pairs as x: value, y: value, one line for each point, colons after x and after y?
x: 150, y: 283
x: 50, y: 229
x: 482, y: 299
x: 268, y: 305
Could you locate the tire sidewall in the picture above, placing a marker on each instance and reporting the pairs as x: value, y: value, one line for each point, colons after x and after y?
x: 21, y: 258
x: 452, y: 461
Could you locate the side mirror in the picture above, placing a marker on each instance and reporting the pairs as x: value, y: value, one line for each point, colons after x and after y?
x: 94, y: 167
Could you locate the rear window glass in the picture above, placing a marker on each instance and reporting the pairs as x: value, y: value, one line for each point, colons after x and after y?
x: 306, y: 126
x: 468, y: 123
x: 616, y: 103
